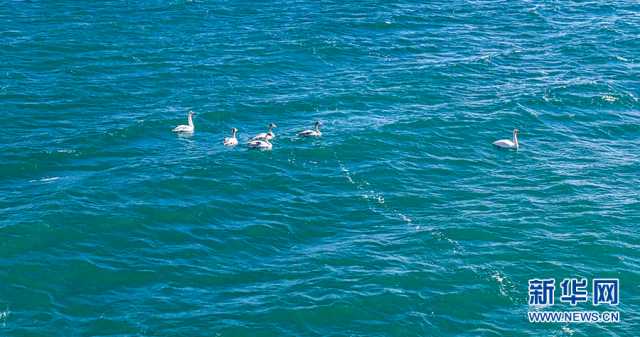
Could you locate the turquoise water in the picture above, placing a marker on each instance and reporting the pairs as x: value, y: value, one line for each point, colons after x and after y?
x: 402, y: 220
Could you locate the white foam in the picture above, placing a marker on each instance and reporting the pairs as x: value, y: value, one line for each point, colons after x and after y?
x: 3, y: 317
x: 497, y: 277
x: 346, y: 172
x: 406, y: 218
x: 44, y: 180
x: 568, y: 330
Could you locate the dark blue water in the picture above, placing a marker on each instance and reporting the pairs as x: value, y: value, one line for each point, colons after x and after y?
x: 402, y: 220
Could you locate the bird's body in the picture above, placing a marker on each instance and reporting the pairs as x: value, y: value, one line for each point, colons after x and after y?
x: 315, y: 132
x: 186, y: 128
x: 260, y: 144
x: 269, y: 135
x: 231, y: 141
x: 508, y: 143
x: 264, y: 136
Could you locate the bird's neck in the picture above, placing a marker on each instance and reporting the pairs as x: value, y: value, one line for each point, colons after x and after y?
x: 233, y: 134
x: 515, y: 139
x: 317, y: 128
x: 190, y: 120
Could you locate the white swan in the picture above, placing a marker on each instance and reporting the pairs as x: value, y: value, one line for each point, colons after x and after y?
x: 231, y: 141
x: 311, y: 133
x: 269, y: 135
x: 260, y: 144
x: 186, y: 128
x: 507, y: 143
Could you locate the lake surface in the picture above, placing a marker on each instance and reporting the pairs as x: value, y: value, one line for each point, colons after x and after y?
x: 402, y: 220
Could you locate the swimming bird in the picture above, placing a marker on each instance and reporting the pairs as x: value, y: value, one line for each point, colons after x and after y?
x: 231, y: 141
x: 186, y: 128
x: 269, y: 135
x: 311, y: 133
x: 260, y: 144
x: 507, y: 143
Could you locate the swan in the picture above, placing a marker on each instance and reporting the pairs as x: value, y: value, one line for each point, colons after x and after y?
x: 231, y: 141
x: 186, y: 128
x: 507, y: 143
x: 311, y: 133
x: 269, y: 135
x: 260, y: 144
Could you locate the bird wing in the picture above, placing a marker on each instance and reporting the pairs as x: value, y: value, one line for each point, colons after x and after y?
x: 259, y: 136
